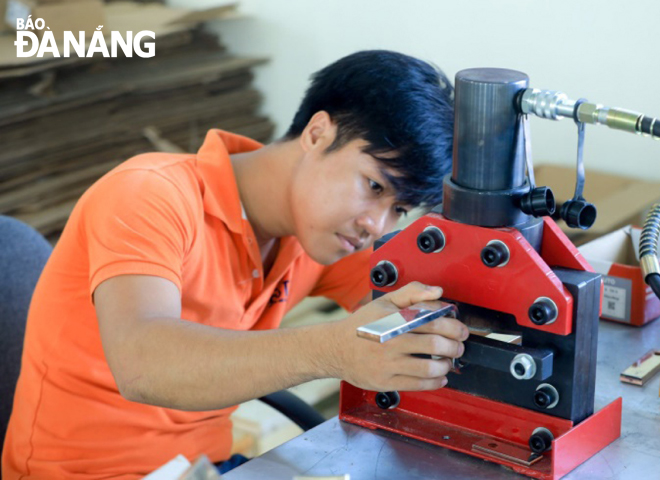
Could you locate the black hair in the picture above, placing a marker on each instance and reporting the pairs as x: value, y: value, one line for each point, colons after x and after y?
x: 402, y: 107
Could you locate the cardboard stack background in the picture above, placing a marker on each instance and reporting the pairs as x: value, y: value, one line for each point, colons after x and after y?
x: 66, y: 122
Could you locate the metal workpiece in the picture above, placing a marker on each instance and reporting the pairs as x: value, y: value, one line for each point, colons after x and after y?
x: 404, y: 320
x: 488, y: 153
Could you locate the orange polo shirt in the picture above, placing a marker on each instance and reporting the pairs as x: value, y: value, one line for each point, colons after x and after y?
x: 176, y: 216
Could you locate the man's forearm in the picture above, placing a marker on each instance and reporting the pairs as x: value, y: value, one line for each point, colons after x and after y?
x: 188, y: 366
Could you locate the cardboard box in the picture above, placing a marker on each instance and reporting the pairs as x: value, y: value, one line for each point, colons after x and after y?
x: 74, y: 15
x: 619, y: 200
x: 626, y: 297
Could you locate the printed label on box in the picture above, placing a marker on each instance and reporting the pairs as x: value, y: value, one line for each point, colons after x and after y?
x: 616, y: 298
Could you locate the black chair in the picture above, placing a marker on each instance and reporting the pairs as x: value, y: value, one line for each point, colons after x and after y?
x: 23, y: 254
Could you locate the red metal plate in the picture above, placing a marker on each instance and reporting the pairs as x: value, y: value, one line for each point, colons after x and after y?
x: 459, y: 421
x: 458, y: 269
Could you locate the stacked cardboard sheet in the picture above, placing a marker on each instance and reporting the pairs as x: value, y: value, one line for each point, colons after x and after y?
x: 65, y: 122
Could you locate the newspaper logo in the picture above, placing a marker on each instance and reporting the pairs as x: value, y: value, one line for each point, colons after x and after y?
x: 28, y: 43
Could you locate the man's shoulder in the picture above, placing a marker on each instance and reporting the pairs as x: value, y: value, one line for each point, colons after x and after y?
x: 152, y: 172
x: 168, y: 165
x: 161, y: 181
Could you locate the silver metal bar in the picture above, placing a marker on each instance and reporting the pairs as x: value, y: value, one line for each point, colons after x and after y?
x: 405, y: 320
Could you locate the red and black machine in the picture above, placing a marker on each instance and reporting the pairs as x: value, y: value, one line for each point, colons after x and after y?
x: 507, y: 267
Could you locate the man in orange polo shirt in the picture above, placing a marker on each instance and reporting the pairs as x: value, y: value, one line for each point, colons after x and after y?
x: 158, y: 310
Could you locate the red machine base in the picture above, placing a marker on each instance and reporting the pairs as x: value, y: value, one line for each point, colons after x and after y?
x: 486, y: 429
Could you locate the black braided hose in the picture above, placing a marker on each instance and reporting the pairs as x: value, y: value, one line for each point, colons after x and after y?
x: 648, y: 249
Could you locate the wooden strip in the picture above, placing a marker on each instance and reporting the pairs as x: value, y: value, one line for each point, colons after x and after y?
x: 643, y: 369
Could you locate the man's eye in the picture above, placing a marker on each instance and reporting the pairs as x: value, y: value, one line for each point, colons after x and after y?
x: 401, y: 211
x: 375, y: 186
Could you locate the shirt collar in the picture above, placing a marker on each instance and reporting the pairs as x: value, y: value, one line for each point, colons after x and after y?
x: 221, y: 196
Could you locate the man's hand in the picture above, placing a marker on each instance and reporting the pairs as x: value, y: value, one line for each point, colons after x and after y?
x: 390, y: 366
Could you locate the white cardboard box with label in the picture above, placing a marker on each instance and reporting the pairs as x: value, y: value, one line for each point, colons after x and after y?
x: 626, y: 297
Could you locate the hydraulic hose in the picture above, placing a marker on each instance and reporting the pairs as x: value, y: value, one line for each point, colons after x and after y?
x: 648, y: 249
x: 649, y: 126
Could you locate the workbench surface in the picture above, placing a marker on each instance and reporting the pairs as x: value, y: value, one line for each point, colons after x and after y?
x: 336, y: 448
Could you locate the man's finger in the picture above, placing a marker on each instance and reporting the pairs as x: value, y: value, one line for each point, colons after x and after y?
x: 425, y: 368
x: 429, y: 344
x: 406, y: 383
x: 447, y: 327
x: 414, y: 292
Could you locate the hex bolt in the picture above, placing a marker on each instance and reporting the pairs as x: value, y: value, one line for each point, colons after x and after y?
x: 388, y: 400
x: 495, y: 254
x: 431, y: 240
x: 522, y: 367
x: 543, y: 311
x: 384, y: 274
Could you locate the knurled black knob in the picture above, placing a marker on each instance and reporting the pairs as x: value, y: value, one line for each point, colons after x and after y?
x: 384, y: 274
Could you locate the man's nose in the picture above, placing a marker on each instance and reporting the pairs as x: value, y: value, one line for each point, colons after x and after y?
x: 374, y: 223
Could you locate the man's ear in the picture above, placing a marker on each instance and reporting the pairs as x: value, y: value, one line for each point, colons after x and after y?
x: 319, y: 133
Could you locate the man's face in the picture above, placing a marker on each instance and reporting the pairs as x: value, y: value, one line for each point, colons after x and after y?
x: 341, y: 202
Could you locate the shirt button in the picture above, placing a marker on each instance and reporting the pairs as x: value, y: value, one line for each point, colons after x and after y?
x: 255, y: 273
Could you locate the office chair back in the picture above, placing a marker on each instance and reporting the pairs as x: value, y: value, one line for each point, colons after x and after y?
x: 23, y: 254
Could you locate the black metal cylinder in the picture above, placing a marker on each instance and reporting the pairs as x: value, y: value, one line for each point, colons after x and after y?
x: 488, y: 152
